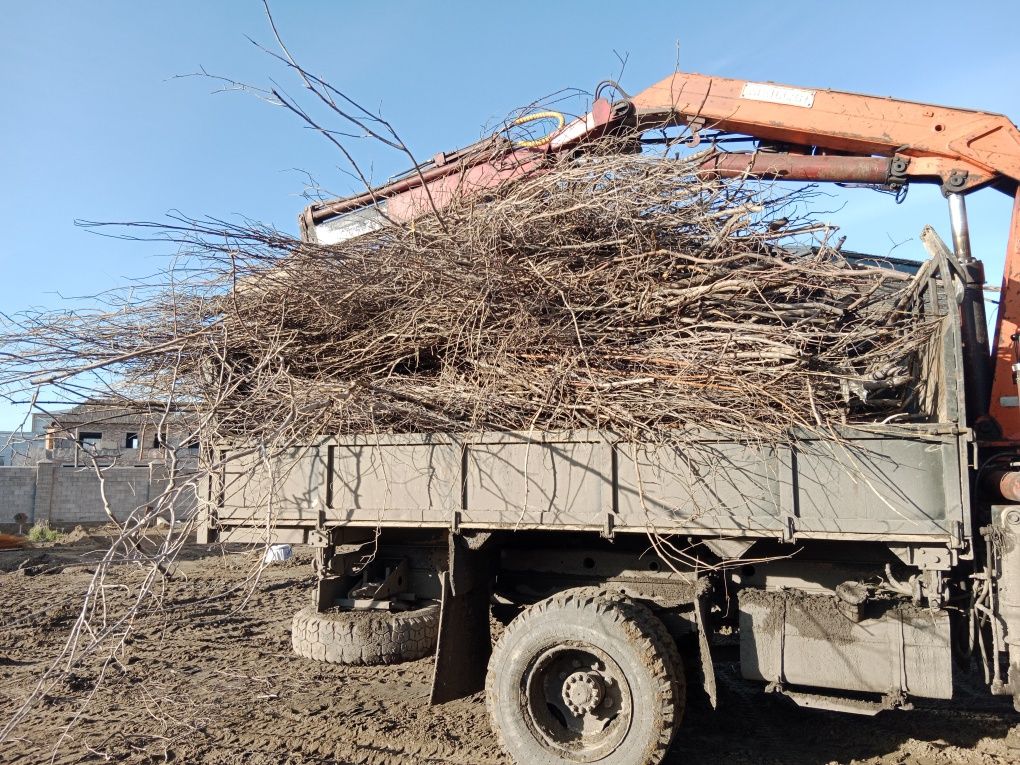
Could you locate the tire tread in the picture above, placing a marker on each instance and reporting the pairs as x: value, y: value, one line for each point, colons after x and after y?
x: 353, y: 639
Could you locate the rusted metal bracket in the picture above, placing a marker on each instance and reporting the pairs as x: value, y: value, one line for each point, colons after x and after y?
x: 728, y: 548
x: 609, y: 526
x: 789, y: 529
x: 395, y: 581
x: 319, y: 538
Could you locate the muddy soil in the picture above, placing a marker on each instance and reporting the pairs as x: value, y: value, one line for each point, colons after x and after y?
x: 213, y: 680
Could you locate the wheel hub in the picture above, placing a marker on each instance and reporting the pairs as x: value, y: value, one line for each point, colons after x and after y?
x: 579, y: 703
x: 583, y: 692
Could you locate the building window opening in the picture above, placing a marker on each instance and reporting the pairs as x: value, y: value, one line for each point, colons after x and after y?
x: 89, y: 440
x: 131, y: 441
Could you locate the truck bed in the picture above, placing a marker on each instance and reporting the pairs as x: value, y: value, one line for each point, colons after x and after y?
x: 888, y: 481
x: 884, y: 484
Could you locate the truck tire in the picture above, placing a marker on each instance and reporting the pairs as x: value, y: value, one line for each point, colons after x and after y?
x: 585, y: 676
x: 365, y: 638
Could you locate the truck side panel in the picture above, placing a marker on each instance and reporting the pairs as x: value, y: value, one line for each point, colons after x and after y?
x: 896, y: 487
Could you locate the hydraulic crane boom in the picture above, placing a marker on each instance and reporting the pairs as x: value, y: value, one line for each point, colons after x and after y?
x: 812, y: 135
x: 965, y: 148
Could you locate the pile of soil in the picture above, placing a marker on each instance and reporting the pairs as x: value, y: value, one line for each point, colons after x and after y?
x: 213, y: 680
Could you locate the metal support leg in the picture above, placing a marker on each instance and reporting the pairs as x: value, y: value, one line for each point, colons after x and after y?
x: 975, y: 327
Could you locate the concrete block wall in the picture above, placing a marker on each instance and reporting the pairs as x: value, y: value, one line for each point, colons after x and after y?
x: 66, y: 496
x: 17, y: 493
x: 77, y: 497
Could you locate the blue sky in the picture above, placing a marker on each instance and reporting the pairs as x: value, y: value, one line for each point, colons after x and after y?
x: 94, y: 123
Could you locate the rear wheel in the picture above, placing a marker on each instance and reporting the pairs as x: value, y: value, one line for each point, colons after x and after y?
x: 585, y: 677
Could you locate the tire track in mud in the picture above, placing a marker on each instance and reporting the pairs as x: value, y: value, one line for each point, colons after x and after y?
x: 361, y: 747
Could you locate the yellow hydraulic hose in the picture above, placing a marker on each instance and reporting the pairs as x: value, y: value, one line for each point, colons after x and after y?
x: 539, y: 116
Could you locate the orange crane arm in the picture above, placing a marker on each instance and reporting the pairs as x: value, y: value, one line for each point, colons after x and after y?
x: 1004, y: 404
x: 980, y: 147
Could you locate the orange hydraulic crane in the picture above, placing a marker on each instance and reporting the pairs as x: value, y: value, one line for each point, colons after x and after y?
x: 811, y: 135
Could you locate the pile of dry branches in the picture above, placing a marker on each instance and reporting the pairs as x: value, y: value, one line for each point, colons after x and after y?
x: 621, y: 292
x: 617, y: 292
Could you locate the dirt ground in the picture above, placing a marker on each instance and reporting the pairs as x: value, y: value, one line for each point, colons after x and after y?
x: 213, y: 680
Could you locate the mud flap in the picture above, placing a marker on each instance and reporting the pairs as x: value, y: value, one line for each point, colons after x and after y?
x: 465, y: 642
x: 707, y: 666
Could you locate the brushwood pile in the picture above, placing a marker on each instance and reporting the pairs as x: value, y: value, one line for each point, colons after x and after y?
x: 613, y: 291
x: 622, y: 293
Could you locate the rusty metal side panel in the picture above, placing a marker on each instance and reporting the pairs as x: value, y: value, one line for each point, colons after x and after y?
x: 286, y: 488
x: 567, y: 483
x: 873, y: 484
x: 718, y: 485
x: 399, y: 479
x: 892, y: 485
